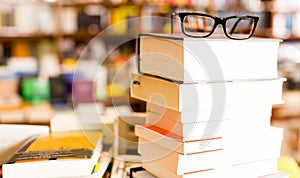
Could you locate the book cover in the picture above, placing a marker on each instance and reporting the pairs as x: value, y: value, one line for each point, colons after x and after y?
x: 186, y: 59
x: 59, y: 154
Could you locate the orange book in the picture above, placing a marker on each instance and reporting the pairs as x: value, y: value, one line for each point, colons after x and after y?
x: 21, y: 49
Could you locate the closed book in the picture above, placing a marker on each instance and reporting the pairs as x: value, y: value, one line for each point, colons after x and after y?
x: 69, y: 14
x: 58, y: 90
x: 257, y: 112
x: 76, y: 121
x: 60, y: 154
x: 174, y: 142
x: 35, y: 90
x: 8, y: 86
x: 198, y: 130
x: 187, y: 59
x: 180, y: 164
x: 39, y: 114
x: 216, y: 96
x: 265, y: 168
x: 25, y: 18
x: 168, y: 140
x: 82, y: 91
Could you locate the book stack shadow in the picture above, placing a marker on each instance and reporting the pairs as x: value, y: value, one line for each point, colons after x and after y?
x: 209, y: 104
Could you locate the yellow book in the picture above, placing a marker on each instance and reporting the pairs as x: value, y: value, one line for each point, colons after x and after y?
x: 58, y: 154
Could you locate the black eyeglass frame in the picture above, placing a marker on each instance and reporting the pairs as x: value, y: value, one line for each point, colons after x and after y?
x: 217, y: 21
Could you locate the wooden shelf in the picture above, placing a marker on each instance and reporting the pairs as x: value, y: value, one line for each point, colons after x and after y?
x: 105, y: 4
x: 28, y: 37
x: 81, y: 34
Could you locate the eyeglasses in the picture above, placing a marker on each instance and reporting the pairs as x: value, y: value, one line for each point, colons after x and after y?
x: 199, y: 25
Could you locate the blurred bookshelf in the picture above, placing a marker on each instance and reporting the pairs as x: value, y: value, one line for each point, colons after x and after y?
x: 64, y: 27
x: 41, y: 42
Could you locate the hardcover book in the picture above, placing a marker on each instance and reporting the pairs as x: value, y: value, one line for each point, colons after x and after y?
x: 59, y: 154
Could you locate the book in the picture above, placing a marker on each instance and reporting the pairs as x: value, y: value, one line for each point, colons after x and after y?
x: 83, y: 91
x: 24, y: 64
x: 40, y: 113
x: 58, y: 90
x: 89, y: 19
x: 102, y: 167
x: 12, y: 113
x: 264, y: 169
x: 187, y: 59
x: 121, y: 168
x: 120, y: 18
x: 13, y: 136
x: 35, y: 90
x: 142, y: 174
x: 198, y: 130
x: 9, y: 86
x: 251, y: 170
x: 125, y: 140
x: 192, y: 97
x: 168, y: 140
x: 103, y: 164
x: 59, y: 154
x: 279, y: 174
x: 25, y: 113
x: 231, y: 154
x: 68, y: 121
x: 70, y: 15
x: 259, y: 112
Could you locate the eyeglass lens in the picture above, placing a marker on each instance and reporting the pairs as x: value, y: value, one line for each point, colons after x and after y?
x: 196, y: 25
x: 239, y: 27
x: 201, y: 26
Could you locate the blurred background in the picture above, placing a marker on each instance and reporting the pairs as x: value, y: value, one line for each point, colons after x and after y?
x: 42, y: 40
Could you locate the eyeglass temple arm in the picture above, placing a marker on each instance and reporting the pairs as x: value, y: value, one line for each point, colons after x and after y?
x: 172, y: 18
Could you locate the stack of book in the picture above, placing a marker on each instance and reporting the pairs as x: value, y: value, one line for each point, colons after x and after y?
x: 209, y: 106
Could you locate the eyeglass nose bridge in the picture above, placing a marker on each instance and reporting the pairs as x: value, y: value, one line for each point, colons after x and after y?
x: 219, y: 21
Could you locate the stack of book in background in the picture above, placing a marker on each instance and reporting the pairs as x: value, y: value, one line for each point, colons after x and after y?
x: 209, y: 106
